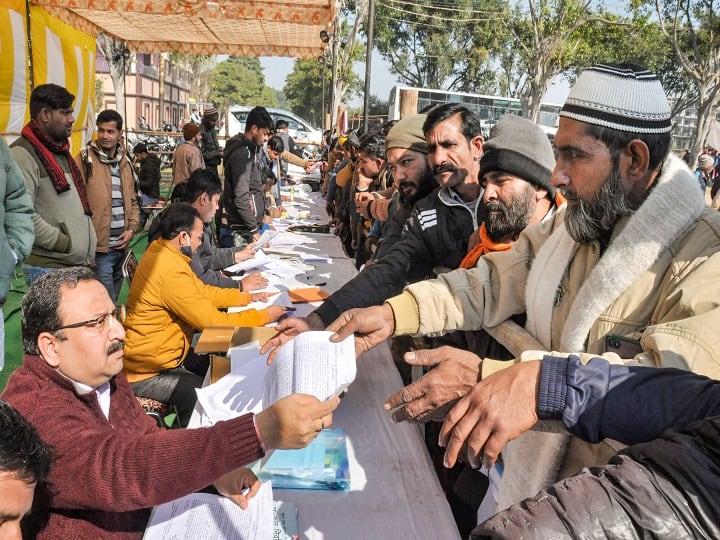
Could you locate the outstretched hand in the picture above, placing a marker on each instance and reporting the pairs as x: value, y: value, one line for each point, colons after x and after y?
x: 431, y: 397
x: 495, y: 411
x: 288, y: 329
x: 370, y: 325
x: 294, y: 421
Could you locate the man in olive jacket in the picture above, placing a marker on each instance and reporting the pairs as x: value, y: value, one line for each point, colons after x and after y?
x: 64, y: 234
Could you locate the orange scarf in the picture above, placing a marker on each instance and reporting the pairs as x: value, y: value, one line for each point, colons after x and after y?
x: 486, y: 245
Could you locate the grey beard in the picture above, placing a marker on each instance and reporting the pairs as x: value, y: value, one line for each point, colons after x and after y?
x: 514, y: 218
x: 592, y: 220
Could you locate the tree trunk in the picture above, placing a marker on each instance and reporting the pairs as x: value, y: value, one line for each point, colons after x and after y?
x: 112, y: 49
x: 705, y: 116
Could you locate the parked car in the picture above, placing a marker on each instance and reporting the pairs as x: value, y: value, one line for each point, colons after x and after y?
x: 299, y: 129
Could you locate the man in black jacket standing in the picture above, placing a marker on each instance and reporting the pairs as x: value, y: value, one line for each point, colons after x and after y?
x: 148, y: 176
x: 211, y: 151
x: 243, y: 200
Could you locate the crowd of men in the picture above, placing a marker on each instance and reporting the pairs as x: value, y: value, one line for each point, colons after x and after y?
x: 602, y: 248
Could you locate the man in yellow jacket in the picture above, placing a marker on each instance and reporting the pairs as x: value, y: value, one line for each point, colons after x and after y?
x: 167, y: 304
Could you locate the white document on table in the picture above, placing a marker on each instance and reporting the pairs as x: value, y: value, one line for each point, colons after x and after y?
x: 280, y: 299
x: 259, y: 259
x: 282, y: 269
x: 202, y: 515
x: 308, y: 364
x: 288, y: 238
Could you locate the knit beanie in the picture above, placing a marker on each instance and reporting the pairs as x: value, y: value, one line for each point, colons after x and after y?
x: 211, y: 113
x: 519, y: 147
x: 408, y: 133
x: 705, y: 161
x: 625, y: 97
x: 189, y: 131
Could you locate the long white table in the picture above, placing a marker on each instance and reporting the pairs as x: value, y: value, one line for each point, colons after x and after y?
x: 394, y: 492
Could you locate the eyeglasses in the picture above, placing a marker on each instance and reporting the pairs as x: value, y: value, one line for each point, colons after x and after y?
x: 98, y: 323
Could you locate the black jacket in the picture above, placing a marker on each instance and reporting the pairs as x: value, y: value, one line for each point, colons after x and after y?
x: 243, y: 200
x: 436, y: 234
x: 149, y: 176
x: 210, y: 148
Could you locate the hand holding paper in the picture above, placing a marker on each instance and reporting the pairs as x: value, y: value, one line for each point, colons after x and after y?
x: 294, y: 421
x: 239, y: 485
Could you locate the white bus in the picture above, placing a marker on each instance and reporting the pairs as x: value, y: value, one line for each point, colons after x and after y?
x: 488, y: 108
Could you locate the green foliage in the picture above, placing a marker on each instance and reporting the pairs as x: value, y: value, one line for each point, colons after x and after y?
x: 303, y: 89
x: 283, y: 101
x: 240, y: 81
x: 434, y: 46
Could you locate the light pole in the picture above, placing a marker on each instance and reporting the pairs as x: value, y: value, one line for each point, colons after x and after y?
x: 324, y: 62
x: 368, y: 62
x: 325, y: 37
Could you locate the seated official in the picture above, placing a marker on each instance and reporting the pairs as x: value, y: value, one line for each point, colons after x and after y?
x: 167, y: 304
x: 202, y: 191
x: 113, y: 464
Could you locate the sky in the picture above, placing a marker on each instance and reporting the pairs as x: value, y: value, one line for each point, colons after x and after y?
x: 381, y: 80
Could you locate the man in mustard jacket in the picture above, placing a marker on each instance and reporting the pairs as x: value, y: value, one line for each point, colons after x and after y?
x: 167, y: 304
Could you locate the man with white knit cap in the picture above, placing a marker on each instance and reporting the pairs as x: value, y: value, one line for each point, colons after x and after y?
x: 627, y: 271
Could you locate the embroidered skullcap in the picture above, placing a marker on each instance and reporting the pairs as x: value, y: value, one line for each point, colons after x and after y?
x: 625, y: 97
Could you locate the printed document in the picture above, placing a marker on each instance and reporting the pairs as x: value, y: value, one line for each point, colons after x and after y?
x: 202, y: 515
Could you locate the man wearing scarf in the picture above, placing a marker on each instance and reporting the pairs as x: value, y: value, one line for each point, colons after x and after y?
x: 514, y: 170
x: 64, y: 235
x: 110, y: 184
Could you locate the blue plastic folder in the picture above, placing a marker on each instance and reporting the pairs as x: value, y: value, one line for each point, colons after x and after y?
x: 323, y: 464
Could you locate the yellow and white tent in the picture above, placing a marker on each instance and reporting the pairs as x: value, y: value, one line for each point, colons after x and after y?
x: 60, y: 54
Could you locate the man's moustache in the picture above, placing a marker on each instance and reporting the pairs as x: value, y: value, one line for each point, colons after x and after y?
x: 569, y: 195
x: 115, y: 347
x: 444, y: 167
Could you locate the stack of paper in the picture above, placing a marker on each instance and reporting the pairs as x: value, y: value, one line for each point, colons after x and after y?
x: 309, y: 364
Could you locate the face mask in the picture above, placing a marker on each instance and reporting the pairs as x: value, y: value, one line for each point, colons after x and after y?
x: 186, y: 250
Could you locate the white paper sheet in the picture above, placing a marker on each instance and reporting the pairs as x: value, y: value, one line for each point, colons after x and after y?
x: 202, y: 515
x: 309, y: 364
x: 259, y: 259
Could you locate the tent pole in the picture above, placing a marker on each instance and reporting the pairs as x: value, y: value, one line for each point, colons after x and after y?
x: 29, y: 46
